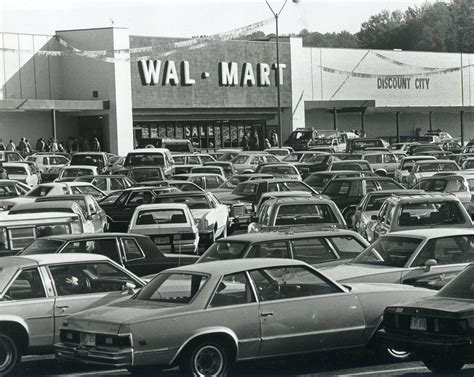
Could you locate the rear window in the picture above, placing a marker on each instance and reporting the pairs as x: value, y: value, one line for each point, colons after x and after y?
x: 15, y: 170
x: 305, y: 214
x: 86, y: 159
x: 137, y: 159
x: 76, y: 172
x: 429, y: 213
x: 161, y: 216
x: 222, y: 250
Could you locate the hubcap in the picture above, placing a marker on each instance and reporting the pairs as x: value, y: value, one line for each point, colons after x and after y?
x: 397, y: 354
x: 6, y: 355
x: 209, y: 361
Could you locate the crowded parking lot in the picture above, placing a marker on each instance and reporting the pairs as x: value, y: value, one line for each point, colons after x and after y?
x: 176, y: 274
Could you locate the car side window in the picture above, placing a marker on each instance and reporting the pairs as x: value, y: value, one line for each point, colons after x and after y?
x: 390, y: 158
x: 312, y: 250
x: 346, y: 246
x: 234, y: 289
x: 27, y: 285
x: 212, y: 182
x: 87, y: 278
x: 117, y: 184
x: 288, y: 282
x: 140, y: 197
x: 194, y: 160
x: 447, y: 250
x: 106, y: 247
x: 371, y: 186
x: 100, y: 183
x: 273, y: 249
x: 132, y: 250
x: 198, y: 181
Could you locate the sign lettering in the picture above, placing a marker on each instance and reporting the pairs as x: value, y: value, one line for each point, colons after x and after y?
x: 403, y: 83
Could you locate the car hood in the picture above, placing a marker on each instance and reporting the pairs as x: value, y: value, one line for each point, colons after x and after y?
x: 353, y: 271
x: 110, y: 318
x: 200, y: 213
x: 442, y: 306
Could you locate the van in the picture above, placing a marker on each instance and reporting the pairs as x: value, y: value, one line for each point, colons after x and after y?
x: 174, y: 145
x: 17, y: 231
x: 151, y: 157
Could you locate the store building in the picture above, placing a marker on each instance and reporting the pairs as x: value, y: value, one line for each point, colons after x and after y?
x: 108, y: 84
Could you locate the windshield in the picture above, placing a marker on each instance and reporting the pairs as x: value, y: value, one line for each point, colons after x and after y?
x: 144, y: 174
x: 375, y: 202
x: 137, y: 159
x: 111, y: 198
x: 292, y: 157
x: 270, y: 169
x: 193, y: 202
x: 76, y: 172
x: 85, y: 159
x: 245, y: 188
x: 461, y: 287
x: 389, y: 251
x: 161, y: 216
x: 429, y: 213
x: 316, y: 157
x: 358, y: 166
x: 42, y: 247
x: 323, y: 141
x: 172, y: 288
x: 301, y: 135
x: 222, y: 250
x: 240, y: 159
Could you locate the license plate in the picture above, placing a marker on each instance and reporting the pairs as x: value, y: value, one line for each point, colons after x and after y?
x: 162, y: 240
x: 89, y: 339
x: 418, y: 323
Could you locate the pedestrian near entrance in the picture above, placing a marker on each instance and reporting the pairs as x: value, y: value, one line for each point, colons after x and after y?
x: 2, y: 146
x: 266, y: 144
x: 40, y: 145
x: 254, y: 143
x: 95, y: 145
x: 28, y: 146
x: 274, y: 138
x: 22, y: 148
x: 54, y: 146
x: 11, y: 146
x: 245, y: 141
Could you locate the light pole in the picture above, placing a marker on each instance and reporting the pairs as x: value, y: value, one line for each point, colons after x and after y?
x: 277, y: 75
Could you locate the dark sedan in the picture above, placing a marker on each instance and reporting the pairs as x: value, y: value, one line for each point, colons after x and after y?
x: 135, y: 252
x: 440, y: 329
x: 119, y: 206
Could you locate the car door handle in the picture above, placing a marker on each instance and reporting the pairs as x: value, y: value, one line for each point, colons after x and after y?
x: 62, y: 307
x: 266, y: 314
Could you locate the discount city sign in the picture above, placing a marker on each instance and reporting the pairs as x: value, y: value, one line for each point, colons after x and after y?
x: 169, y: 72
x: 403, y: 83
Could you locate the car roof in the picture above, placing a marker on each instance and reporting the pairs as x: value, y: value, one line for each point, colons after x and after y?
x: 189, y: 175
x: 40, y: 205
x: 40, y: 259
x: 278, y: 235
x: 425, y: 197
x: 399, y: 192
x: 81, y: 236
x: 420, y: 157
x: 377, y: 178
x: 73, y: 197
x: 150, y: 150
x: 5, y: 217
x: 271, y: 180
x: 277, y: 194
x: 300, y: 200
x: 435, y: 161
x: 145, y: 207
x: 432, y: 232
x: 90, y: 167
x: 185, y: 193
x: 236, y: 265
x: 14, y: 164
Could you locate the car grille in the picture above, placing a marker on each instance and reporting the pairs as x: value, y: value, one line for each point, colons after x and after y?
x: 238, y: 210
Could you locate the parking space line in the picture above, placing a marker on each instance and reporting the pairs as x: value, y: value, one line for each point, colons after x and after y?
x: 383, y: 371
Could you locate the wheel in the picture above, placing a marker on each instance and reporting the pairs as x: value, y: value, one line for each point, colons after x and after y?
x: 206, y: 358
x: 386, y: 354
x: 443, y: 363
x: 9, y: 354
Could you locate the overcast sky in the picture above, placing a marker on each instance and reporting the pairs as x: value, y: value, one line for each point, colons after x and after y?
x: 186, y: 18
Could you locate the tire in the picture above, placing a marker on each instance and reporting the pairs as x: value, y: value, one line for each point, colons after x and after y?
x: 9, y: 355
x: 443, y: 364
x: 206, y: 358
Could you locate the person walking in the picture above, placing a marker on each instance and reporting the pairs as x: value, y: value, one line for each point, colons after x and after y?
x: 28, y: 146
x: 254, y: 143
x: 69, y: 144
x: 245, y: 141
x: 22, y: 147
x: 266, y: 144
x: 11, y: 146
x: 40, y: 145
x: 2, y: 146
x: 54, y: 146
x: 274, y: 138
x: 95, y: 145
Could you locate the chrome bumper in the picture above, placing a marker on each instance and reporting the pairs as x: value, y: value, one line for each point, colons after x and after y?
x: 113, y: 357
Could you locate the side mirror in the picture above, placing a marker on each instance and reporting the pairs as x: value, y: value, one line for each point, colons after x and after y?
x: 430, y: 263
x: 130, y: 287
x: 374, y: 217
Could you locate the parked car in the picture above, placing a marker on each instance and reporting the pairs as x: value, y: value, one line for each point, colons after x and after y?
x: 246, y: 162
x: 279, y: 170
x: 420, y: 211
x: 49, y: 165
x: 356, y: 165
x: 171, y: 226
x: 107, y: 183
x: 279, y: 153
x: 173, y: 145
x: 301, y: 156
x: 208, y: 169
x: 85, y: 188
x: 359, y: 144
x: 135, y: 252
x: 227, y: 166
x: 438, y: 330
x: 310, y: 247
x: 150, y: 157
x: 63, y: 206
x: 120, y: 206
x: 206, y: 181
x: 39, y: 291
x: 226, y: 154
x: 21, y: 172
x: 98, y: 159
x: 406, y: 165
x: 10, y: 188
x: 349, y: 191
x: 456, y: 185
x: 382, y: 163
x: 17, y: 231
x: 207, y: 316
x: 92, y: 211
x: 423, y: 169
x: 234, y: 180
x: 10, y: 156
x: 71, y: 172
x: 319, y: 162
x: 408, y: 256
x: 184, y: 186
x: 416, y: 149
x: 297, y: 214
x: 370, y: 205
x: 319, y: 180
x: 281, y: 194
x: 184, y: 162
x: 211, y: 216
